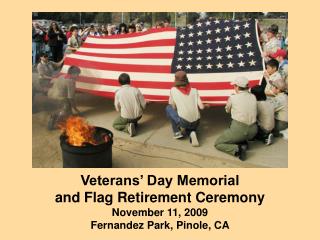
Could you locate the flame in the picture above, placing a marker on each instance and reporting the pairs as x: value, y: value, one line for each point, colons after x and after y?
x: 78, y: 131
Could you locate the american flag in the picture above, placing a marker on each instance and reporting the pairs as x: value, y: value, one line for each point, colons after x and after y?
x: 212, y: 52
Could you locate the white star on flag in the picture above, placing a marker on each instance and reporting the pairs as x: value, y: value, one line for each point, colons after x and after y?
x: 238, y: 46
x: 241, y: 64
x: 209, y: 66
x: 208, y: 41
x: 246, y: 35
x: 219, y: 65
x: 252, y: 62
x: 230, y: 65
x: 227, y: 38
x: 236, y: 27
x: 248, y: 44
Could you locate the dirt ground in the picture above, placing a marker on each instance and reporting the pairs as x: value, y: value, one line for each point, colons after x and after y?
x: 46, y: 152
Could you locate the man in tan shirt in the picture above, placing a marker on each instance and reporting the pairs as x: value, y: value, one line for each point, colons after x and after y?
x: 280, y: 102
x: 243, y: 109
x: 130, y: 102
x: 265, y: 118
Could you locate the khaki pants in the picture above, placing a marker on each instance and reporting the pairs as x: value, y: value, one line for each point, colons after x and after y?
x: 237, y: 133
x: 121, y: 123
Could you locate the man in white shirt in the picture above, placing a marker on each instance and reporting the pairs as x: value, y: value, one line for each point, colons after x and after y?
x: 130, y: 102
x: 183, y: 108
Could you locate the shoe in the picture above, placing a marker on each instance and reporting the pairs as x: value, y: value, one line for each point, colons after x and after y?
x: 269, y: 139
x: 177, y: 135
x: 245, y: 145
x: 193, y: 139
x: 131, y: 129
x: 241, y: 154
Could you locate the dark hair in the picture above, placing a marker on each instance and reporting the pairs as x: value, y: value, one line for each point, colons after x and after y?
x: 273, y: 29
x: 74, y: 70
x: 51, y: 26
x: 273, y: 63
x: 132, y: 26
x: 243, y: 88
x: 43, y: 54
x: 124, y: 79
x: 73, y: 28
x: 258, y: 91
x: 125, y: 27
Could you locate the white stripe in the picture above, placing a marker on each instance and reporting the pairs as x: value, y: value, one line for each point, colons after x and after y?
x: 151, y: 91
x: 136, y: 61
x: 165, y: 49
x: 147, y: 37
x: 168, y: 77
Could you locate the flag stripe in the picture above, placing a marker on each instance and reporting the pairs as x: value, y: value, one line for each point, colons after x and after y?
x: 167, y: 77
x: 162, y: 85
x: 119, y: 67
x: 167, y: 49
x: 137, y: 61
x: 130, y: 56
x: 153, y: 43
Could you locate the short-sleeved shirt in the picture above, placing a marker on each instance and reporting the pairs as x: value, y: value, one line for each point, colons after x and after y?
x: 283, y: 70
x: 187, y: 104
x: 272, y: 46
x: 47, y: 69
x: 130, y: 102
x: 243, y: 107
x: 64, y: 87
x: 265, y: 115
x: 275, y: 76
x: 74, y: 43
x: 281, y: 107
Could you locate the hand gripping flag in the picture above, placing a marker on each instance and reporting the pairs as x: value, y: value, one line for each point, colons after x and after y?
x: 212, y: 52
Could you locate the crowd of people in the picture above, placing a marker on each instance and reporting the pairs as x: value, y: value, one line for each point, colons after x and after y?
x: 55, y: 41
x: 257, y: 113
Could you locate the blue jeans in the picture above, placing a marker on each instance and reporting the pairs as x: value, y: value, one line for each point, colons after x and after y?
x: 178, y: 122
x: 34, y: 53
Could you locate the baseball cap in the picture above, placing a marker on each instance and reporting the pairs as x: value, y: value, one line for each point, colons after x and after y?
x: 279, y: 53
x: 240, y: 82
x: 279, y: 83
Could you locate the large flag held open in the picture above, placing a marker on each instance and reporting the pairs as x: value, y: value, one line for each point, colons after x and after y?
x: 212, y: 52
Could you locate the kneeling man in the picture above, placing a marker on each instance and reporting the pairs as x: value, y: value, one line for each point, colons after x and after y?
x: 183, y: 109
x: 243, y: 109
x: 130, y: 102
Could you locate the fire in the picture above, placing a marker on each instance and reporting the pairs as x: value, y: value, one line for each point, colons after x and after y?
x: 78, y: 131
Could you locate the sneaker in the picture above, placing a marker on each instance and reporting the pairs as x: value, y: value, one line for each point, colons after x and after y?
x: 241, y: 154
x: 177, y: 135
x: 269, y: 139
x: 193, y: 139
x: 131, y: 129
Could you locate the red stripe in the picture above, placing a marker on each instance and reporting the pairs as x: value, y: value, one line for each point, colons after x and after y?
x: 149, y: 97
x: 151, y: 43
x: 133, y: 55
x: 137, y: 34
x: 163, y: 85
x: 117, y: 67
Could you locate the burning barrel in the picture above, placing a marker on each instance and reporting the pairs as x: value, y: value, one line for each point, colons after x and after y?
x: 85, y: 146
